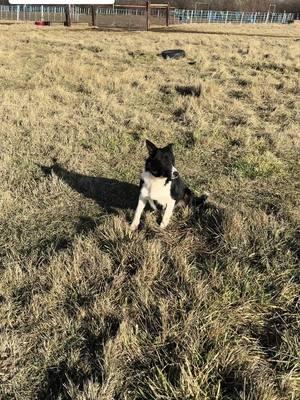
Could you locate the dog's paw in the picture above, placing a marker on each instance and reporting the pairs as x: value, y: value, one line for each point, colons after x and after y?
x: 133, y: 227
x: 163, y: 225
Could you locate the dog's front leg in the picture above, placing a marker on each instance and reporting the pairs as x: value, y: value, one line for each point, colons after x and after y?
x: 168, y: 213
x: 138, y: 212
x: 152, y: 204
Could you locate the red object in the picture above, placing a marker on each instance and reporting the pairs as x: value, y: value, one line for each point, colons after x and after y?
x: 42, y: 23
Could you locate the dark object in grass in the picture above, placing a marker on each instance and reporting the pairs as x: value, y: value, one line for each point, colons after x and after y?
x: 189, y: 90
x: 42, y: 23
x: 135, y: 54
x: 188, y: 140
x: 176, y: 54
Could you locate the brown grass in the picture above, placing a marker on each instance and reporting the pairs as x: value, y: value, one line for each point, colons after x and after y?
x: 208, y: 308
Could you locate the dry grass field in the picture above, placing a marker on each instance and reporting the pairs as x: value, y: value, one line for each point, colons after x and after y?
x: 209, y: 307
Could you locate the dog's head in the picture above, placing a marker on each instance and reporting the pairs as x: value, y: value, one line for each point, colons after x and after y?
x: 161, y: 161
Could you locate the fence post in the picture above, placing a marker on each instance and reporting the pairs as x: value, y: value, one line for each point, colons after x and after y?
x: 167, y: 14
x: 267, y: 17
x: 226, y: 19
x: 18, y: 13
x: 148, y: 6
x: 242, y: 17
x: 93, y: 15
x: 68, y: 15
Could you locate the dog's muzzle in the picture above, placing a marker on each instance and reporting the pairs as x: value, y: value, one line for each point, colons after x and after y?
x: 175, y: 173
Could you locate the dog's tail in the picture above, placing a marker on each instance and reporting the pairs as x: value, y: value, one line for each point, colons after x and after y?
x: 191, y: 200
x: 200, y: 201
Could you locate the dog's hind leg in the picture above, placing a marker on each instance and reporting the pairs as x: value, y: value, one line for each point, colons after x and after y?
x: 168, y: 213
x: 138, y: 212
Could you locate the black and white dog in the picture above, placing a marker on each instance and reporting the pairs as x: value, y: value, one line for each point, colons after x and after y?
x: 160, y: 183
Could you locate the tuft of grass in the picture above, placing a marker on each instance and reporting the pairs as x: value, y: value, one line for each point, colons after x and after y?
x: 265, y: 165
x: 208, y: 308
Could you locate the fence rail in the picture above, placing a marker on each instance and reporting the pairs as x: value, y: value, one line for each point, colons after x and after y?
x: 208, y: 16
x: 177, y: 16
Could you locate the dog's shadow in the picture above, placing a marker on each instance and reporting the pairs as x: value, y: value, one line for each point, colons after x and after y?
x: 113, y: 195
x: 110, y: 194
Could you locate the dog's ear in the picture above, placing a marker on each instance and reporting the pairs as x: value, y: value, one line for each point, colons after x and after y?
x: 169, y: 147
x: 151, y: 147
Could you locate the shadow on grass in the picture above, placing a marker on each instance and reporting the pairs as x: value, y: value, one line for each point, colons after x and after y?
x: 110, y: 194
x: 176, y: 29
x: 113, y: 195
x: 89, y: 367
x: 233, y: 384
x: 210, y: 220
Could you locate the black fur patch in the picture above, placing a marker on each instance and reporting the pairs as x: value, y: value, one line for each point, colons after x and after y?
x: 179, y: 191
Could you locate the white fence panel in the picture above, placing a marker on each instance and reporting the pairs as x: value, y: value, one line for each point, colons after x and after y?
x: 177, y: 16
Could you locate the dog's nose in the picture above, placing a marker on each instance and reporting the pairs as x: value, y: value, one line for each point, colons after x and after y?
x: 175, y: 174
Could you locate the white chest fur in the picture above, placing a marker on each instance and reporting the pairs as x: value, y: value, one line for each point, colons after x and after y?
x: 155, y: 189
